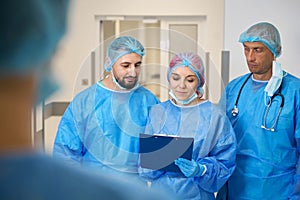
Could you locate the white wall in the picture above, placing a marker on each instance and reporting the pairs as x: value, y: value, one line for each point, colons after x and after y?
x: 285, y: 15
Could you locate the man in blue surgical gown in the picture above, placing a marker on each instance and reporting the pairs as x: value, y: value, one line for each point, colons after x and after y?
x: 266, y: 121
x: 101, y: 126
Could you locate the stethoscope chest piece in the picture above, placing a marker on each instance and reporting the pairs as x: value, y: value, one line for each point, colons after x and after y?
x: 235, y: 111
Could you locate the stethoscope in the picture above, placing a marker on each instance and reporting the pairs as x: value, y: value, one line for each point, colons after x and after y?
x: 235, y: 109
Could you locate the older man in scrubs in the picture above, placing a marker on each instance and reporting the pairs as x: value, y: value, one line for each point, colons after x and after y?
x: 263, y: 107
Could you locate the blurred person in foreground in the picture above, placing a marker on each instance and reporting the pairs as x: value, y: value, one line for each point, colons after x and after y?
x: 30, y: 32
x: 263, y: 107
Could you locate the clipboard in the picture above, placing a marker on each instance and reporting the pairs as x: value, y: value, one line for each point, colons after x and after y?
x: 158, y: 152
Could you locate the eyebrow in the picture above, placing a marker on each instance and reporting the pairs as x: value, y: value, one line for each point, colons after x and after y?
x: 255, y: 47
x: 190, y: 75
x: 128, y: 63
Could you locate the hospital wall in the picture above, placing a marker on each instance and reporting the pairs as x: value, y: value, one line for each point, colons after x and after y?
x: 240, y: 14
x: 226, y: 19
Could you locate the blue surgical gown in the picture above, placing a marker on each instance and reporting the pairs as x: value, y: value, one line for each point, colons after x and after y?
x: 100, y: 128
x: 267, y: 162
x: 214, y: 147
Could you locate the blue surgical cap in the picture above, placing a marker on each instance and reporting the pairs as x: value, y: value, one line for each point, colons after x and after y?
x: 29, y: 33
x: 190, y: 60
x: 121, y: 46
x: 265, y: 33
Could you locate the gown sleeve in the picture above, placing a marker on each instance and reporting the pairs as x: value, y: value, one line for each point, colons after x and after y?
x: 68, y: 145
x: 220, y: 162
x: 296, y: 185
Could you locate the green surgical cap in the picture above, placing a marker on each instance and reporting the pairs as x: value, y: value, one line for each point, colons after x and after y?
x: 29, y: 33
x: 265, y: 33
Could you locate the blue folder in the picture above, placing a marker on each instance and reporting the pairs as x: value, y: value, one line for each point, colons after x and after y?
x: 158, y: 152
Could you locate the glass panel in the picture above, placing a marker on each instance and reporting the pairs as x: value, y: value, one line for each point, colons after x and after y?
x: 183, y: 32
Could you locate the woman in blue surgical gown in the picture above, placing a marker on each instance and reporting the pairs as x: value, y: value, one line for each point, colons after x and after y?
x: 186, y: 114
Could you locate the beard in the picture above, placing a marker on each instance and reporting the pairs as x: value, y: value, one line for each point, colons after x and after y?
x: 128, y: 84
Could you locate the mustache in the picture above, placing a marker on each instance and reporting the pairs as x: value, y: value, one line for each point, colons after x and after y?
x: 130, y: 77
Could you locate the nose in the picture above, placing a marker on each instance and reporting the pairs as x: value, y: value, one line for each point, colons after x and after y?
x: 182, y: 84
x: 132, y: 71
x: 250, y: 55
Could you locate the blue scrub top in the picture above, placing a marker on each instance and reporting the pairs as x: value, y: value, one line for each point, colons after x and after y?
x: 101, y: 128
x: 266, y: 161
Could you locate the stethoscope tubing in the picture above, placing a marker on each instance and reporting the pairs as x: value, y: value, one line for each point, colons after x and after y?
x: 235, y: 109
